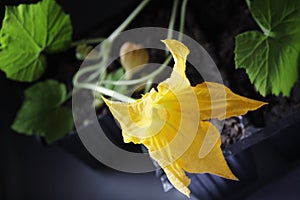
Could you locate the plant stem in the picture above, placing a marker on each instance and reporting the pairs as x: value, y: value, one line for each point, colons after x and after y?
x: 106, y: 91
x: 172, y: 22
x: 68, y: 96
x: 106, y: 47
x: 143, y: 79
x: 172, y: 19
x: 148, y: 85
x: 182, y: 19
x: 128, y: 20
x: 105, y: 50
x: 88, y: 41
x: 83, y: 71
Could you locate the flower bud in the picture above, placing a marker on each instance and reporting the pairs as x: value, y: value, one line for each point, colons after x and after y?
x: 133, y: 56
x: 84, y: 51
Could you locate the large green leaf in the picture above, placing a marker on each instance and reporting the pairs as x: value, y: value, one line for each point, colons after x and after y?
x: 271, y: 57
x: 41, y: 114
x: 27, y: 32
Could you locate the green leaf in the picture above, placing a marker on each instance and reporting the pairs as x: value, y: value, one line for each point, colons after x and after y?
x: 116, y: 76
x: 271, y: 57
x: 27, y: 32
x: 41, y: 113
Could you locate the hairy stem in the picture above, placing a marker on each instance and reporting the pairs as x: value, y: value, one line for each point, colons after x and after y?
x: 88, y: 41
x: 105, y: 50
x: 129, y: 19
x: 172, y: 19
x: 143, y: 79
x: 105, y: 91
x: 182, y: 19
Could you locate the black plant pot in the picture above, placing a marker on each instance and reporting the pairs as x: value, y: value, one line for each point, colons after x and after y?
x: 255, y: 160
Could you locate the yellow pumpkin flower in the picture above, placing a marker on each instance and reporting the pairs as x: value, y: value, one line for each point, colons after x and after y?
x: 172, y: 122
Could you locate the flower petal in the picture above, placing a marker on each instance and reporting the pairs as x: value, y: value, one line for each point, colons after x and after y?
x: 177, y: 177
x: 209, y: 142
x: 179, y: 52
x: 134, y: 118
x: 213, y: 162
x: 190, y: 160
x: 168, y: 123
x: 218, y: 101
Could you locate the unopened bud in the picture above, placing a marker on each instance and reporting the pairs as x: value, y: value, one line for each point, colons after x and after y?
x: 84, y: 51
x: 133, y: 57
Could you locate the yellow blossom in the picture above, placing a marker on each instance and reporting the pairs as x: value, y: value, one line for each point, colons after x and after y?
x: 172, y: 122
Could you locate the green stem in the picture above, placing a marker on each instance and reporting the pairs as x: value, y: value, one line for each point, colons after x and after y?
x: 172, y: 19
x: 129, y: 19
x: 148, y: 85
x: 107, y: 45
x: 105, y: 49
x: 88, y: 41
x: 83, y: 71
x: 112, y: 37
x: 68, y: 96
x: 182, y: 19
x: 143, y: 79
x: 105, y: 91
